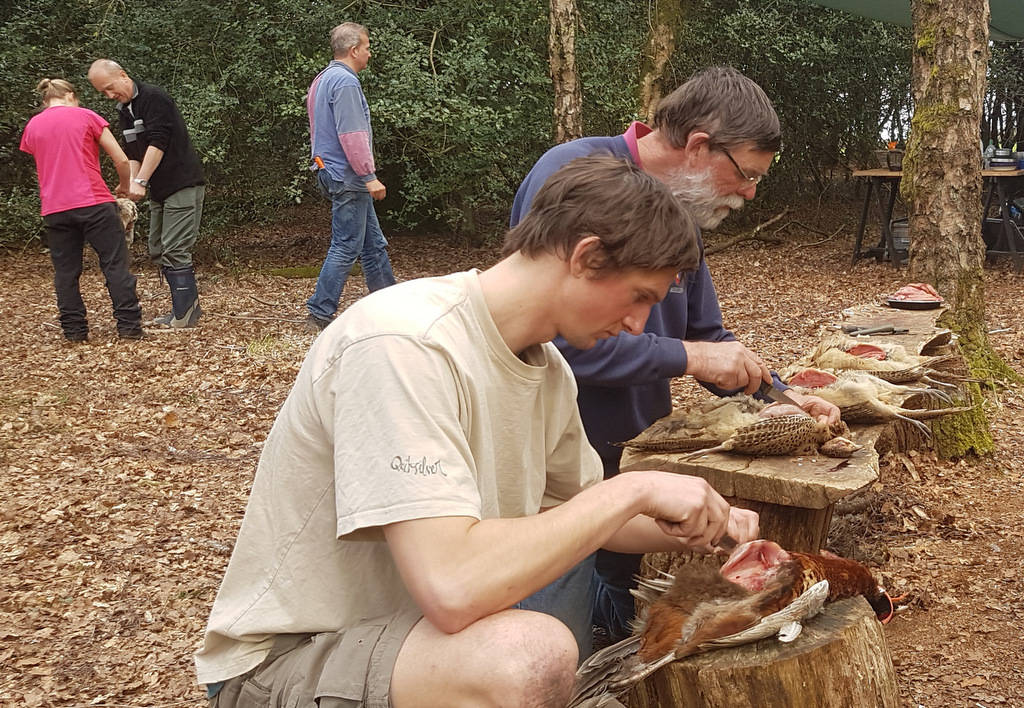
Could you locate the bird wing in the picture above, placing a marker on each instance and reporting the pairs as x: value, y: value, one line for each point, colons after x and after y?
x: 605, y: 668
x: 808, y: 604
x: 679, y: 443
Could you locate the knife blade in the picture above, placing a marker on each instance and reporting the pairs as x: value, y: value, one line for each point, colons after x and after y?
x: 769, y: 390
x: 727, y: 543
x: 864, y: 330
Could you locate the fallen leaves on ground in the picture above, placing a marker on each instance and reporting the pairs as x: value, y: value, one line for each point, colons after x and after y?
x: 126, y: 466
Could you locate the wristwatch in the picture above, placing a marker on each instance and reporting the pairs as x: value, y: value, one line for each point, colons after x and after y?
x: 143, y: 182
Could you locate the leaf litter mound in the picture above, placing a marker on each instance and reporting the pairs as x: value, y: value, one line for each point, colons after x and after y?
x: 126, y: 465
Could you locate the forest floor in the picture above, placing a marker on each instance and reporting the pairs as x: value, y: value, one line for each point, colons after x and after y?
x: 125, y: 466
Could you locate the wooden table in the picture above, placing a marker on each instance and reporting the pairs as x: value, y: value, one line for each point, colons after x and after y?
x: 1011, y: 236
x: 879, y: 178
x: 923, y: 335
x: 999, y: 184
x: 793, y: 495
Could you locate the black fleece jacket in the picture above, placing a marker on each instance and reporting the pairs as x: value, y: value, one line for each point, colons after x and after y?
x: 162, y: 127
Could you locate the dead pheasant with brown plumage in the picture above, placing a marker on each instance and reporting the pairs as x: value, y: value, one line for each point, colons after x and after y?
x: 785, y: 435
x: 698, y: 426
x: 742, y: 425
x: 755, y: 565
x: 759, y: 578
x: 701, y: 608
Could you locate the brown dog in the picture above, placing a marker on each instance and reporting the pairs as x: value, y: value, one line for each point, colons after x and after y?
x: 128, y: 212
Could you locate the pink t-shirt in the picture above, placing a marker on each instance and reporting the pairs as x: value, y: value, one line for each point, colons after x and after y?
x: 65, y: 143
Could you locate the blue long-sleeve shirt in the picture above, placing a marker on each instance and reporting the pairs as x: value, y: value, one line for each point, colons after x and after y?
x: 340, y: 133
x: 624, y: 381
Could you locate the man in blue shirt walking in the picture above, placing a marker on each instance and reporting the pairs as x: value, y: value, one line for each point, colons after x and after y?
x: 342, y: 152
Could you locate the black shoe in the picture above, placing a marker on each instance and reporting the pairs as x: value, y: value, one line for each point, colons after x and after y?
x: 131, y: 333
x: 315, y: 325
x: 76, y: 336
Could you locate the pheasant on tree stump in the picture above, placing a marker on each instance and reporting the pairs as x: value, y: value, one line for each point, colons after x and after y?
x: 761, y: 590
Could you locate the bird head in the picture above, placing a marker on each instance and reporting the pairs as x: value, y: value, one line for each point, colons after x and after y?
x: 881, y: 603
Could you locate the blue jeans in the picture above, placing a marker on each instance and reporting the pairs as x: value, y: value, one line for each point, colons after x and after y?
x: 355, y: 234
x: 569, y: 599
x: 614, y: 607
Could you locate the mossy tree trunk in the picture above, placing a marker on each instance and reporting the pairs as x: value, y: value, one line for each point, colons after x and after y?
x: 564, y: 18
x: 943, y: 188
x: 665, y: 18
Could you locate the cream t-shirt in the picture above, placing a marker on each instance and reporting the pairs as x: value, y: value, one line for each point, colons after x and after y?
x: 409, y: 406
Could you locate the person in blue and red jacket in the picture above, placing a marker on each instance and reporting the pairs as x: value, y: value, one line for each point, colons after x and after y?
x: 342, y: 152
x: 714, y: 139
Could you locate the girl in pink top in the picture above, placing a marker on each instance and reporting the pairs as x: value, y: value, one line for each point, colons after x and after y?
x: 78, y: 208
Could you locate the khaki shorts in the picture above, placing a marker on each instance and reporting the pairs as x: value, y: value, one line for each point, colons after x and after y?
x: 350, y: 669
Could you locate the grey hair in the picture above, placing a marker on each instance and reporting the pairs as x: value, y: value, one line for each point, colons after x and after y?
x: 724, y: 103
x: 346, y: 36
x: 107, y: 66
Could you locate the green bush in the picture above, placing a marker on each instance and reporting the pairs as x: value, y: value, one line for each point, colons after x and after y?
x: 459, y: 90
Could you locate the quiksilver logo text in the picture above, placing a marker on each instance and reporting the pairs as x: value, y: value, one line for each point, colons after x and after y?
x: 420, y: 466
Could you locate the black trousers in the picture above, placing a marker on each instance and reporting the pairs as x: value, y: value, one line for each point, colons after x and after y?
x: 67, y: 232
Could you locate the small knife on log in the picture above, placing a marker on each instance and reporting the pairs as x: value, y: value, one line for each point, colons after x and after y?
x: 862, y: 330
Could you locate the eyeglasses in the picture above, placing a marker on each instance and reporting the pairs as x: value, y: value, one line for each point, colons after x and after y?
x: 750, y: 180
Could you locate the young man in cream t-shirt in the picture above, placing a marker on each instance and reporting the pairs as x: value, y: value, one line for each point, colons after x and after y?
x: 429, y: 470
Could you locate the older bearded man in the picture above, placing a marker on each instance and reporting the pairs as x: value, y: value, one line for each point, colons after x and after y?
x: 714, y: 139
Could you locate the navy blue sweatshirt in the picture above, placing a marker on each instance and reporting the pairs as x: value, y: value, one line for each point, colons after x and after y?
x: 624, y: 381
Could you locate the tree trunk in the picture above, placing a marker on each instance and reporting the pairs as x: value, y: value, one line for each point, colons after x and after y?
x: 840, y: 659
x: 942, y: 187
x: 661, y: 43
x: 564, y: 17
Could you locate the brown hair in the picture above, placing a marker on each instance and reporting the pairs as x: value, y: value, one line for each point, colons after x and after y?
x: 723, y: 103
x: 53, y: 88
x: 640, y: 224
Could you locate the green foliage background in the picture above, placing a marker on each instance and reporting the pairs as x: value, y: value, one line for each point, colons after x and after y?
x: 459, y: 90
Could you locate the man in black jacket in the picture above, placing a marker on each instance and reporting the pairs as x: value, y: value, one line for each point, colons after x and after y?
x: 163, y: 160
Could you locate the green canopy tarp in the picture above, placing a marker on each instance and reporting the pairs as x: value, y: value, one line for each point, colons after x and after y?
x: 1006, y: 22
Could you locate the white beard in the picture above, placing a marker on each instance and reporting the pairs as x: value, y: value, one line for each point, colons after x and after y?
x: 695, y: 190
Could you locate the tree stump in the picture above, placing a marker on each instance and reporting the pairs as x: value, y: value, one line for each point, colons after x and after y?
x: 840, y: 659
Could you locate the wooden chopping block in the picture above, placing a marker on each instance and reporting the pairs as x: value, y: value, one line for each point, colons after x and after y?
x: 840, y: 659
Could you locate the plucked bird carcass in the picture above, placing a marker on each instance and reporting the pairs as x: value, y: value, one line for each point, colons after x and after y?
x: 762, y: 590
x: 891, y: 362
x: 864, y: 398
